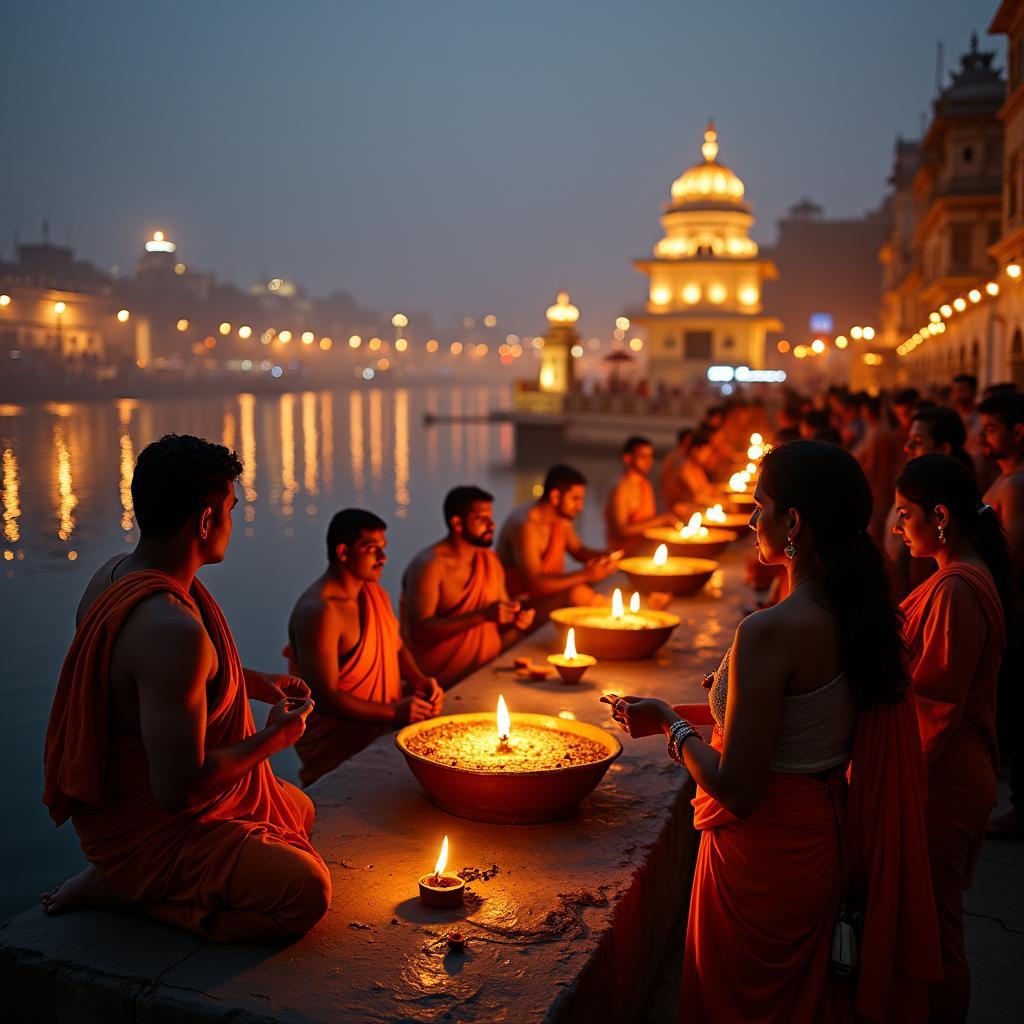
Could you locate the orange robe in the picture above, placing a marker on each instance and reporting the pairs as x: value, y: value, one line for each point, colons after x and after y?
x: 239, y: 866
x: 956, y: 635
x: 369, y: 671
x: 552, y: 562
x: 449, y: 660
x: 646, y: 509
x: 766, y: 890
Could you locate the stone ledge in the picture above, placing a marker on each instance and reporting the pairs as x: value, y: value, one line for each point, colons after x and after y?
x: 571, y: 928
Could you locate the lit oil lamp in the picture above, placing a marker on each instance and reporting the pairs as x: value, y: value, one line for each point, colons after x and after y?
x: 680, y: 575
x: 615, y: 633
x: 438, y: 889
x: 735, y: 521
x: 570, y: 664
x: 737, y: 492
x: 691, y: 539
x: 505, y: 768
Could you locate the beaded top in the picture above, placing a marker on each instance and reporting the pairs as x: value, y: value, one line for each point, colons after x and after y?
x: 816, y: 729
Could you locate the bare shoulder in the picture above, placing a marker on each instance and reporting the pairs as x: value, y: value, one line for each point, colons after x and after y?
x: 432, y: 560
x: 99, y: 582
x: 313, y: 610
x: 161, y: 628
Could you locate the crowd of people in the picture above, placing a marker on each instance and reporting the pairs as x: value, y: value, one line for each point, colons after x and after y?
x: 857, y: 721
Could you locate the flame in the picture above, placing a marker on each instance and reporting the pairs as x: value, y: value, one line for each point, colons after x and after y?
x: 756, y: 438
x: 693, y: 528
x: 570, y: 644
x: 617, y: 612
x: 504, y: 720
x: 634, y: 603
x: 661, y: 555
x: 755, y: 451
x: 442, y: 861
x: 751, y: 468
x: 738, y: 482
x: 715, y: 514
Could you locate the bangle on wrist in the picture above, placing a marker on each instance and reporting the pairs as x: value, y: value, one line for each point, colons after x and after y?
x: 680, y: 731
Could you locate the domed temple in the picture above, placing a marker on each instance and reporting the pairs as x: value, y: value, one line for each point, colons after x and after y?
x: 704, y: 304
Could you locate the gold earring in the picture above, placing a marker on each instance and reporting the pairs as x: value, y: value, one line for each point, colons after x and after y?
x: 789, y: 549
x: 942, y: 534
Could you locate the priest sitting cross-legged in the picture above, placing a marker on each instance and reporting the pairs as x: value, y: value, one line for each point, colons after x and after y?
x: 151, y: 748
x: 536, y: 538
x: 344, y: 641
x: 456, y: 613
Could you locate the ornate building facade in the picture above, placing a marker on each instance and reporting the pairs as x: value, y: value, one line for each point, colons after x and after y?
x: 705, y: 302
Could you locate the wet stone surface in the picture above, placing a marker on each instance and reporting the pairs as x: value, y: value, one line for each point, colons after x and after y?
x: 561, y: 922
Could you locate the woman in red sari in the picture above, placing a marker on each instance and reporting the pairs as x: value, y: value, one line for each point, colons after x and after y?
x: 812, y: 693
x: 956, y: 633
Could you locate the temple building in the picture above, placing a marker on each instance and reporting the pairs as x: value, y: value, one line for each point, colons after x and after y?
x: 706, y: 278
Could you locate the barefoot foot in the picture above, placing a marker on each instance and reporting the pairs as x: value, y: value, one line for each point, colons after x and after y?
x: 85, y: 891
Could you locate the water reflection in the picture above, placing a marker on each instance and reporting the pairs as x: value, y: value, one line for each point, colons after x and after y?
x: 289, y: 485
x: 310, y: 446
x: 66, y: 500
x: 12, y: 498
x: 355, y: 442
x: 327, y: 425
x: 227, y: 431
x: 401, y: 453
x: 376, y: 438
x: 125, y: 408
x: 247, y: 412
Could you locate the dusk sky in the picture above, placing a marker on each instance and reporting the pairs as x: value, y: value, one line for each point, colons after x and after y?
x: 447, y: 156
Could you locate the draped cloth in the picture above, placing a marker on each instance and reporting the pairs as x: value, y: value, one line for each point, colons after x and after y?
x: 203, y: 868
x: 766, y: 890
x: 369, y: 671
x: 451, y: 659
x: 552, y: 561
x: 956, y: 635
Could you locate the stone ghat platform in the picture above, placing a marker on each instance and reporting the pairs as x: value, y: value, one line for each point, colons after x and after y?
x: 565, y: 922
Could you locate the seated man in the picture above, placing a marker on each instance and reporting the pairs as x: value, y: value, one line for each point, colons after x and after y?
x: 631, y: 507
x: 456, y: 613
x: 344, y: 642
x: 675, y: 489
x: 534, y: 541
x: 694, y: 473
x: 151, y: 748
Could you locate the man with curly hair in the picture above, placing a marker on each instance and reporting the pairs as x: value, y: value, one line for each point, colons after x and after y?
x: 151, y: 748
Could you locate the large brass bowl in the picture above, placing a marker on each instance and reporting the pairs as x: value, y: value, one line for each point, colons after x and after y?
x: 687, y: 577
x: 614, y: 644
x: 509, y: 798
x: 710, y: 546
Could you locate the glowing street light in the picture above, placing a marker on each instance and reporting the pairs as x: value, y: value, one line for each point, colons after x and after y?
x: 123, y: 315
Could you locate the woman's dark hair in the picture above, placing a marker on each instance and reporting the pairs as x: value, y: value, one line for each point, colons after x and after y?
x: 945, y: 427
x: 826, y: 485
x: 935, y: 479
x: 176, y: 477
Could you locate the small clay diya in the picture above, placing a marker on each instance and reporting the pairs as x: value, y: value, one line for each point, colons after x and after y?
x: 438, y: 889
x: 571, y: 665
x: 682, y: 576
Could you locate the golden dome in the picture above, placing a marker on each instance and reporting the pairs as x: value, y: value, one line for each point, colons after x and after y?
x: 710, y: 181
x: 563, y: 311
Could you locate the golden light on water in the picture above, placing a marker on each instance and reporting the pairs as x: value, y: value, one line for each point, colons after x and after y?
x: 376, y: 436
x: 504, y: 720
x: 247, y: 418
x: 127, y: 466
x: 356, y: 444
x: 310, y: 444
x: 402, y: 453
x: 66, y: 500
x: 289, y: 485
x: 11, y: 497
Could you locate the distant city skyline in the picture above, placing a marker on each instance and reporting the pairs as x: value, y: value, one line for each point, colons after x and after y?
x: 453, y: 159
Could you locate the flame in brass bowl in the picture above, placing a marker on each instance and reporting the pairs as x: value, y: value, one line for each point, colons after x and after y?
x: 711, y: 545
x: 615, y: 643
x: 683, y: 577
x: 512, y: 797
